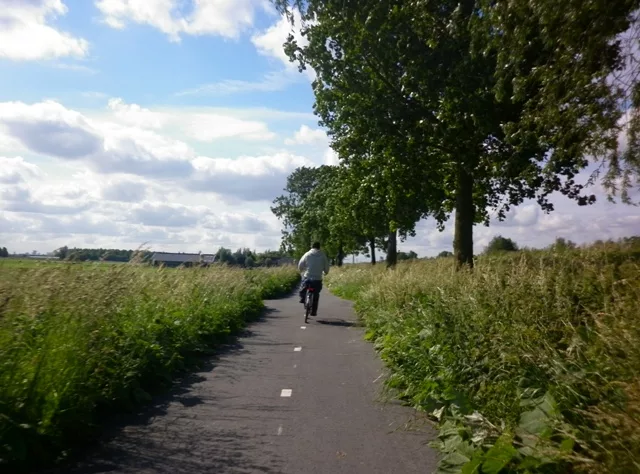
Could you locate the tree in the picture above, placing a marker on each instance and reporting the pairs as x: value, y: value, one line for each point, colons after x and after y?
x: 360, y: 211
x: 313, y: 210
x: 413, y: 86
x: 411, y: 255
x: 562, y: 244
x: 290, y: 207
x: 62, y: 252
x: 224, y: 255
x: 501, y: 244
x: 445, y: 254
x: 4, y: 253
x: 576, y: 67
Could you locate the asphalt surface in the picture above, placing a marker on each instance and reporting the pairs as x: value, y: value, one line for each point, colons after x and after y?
x: 283, y: 400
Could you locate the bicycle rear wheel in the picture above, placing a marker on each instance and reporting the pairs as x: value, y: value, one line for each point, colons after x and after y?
x: 308, y: 305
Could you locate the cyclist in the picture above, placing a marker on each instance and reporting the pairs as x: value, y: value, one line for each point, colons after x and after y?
x: 311, y: 265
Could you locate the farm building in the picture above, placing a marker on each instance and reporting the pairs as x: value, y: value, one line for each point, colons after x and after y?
x: 177, y: 259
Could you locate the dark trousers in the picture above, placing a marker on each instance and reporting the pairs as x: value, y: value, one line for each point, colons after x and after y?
x: 317, y: 286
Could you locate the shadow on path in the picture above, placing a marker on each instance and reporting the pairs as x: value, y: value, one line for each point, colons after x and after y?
x: 338, y: 322
x: 190, y: 428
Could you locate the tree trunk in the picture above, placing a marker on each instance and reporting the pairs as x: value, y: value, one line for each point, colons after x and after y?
x: 392, y: 249
x: 372, y: 244
x: 465, y: 210
x: 340, y: 257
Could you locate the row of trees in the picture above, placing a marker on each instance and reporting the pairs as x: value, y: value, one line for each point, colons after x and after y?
x: 465, y: 107
x: 248, y: 258
x: 94, y: 255
x: 4, y: 253
x: 241, y: 257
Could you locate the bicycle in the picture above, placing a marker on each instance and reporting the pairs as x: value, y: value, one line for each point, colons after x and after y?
x: 309, y: 301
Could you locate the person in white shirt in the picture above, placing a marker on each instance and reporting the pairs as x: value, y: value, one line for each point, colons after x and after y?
x: 312, y: 265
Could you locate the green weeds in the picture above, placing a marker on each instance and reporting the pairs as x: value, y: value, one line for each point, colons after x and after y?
x: 530, y: 363
x: 80, y: 341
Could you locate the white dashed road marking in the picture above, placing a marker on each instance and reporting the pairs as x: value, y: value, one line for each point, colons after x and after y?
x: 303, y: 327
x: 286, y: 392
x: 279, y: 430
x: 297, y: 349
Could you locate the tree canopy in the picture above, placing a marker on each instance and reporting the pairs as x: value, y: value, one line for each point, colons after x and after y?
x: 466, y: 107
x: 501, y: 244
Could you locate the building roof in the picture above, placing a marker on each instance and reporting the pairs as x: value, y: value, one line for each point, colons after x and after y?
x: 182, y: 257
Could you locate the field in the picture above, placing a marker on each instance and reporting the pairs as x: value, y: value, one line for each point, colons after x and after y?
x: 80, y: 341
x: 531, y: 363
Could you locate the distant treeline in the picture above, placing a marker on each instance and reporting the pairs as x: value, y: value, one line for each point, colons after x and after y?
x: 242, y: 257
x: 249, y: 258
x: 95, y: 255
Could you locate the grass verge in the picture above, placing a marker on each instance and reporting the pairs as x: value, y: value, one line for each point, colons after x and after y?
x: 78, y: 342
x: 530, y: 363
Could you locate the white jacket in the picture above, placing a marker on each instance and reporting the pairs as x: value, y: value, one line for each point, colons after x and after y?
x: 313, y: 263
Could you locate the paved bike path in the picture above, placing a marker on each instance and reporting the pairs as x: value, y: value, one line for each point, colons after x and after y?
x: 284, y: 400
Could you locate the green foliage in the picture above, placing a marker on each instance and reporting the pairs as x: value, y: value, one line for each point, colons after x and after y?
x: 530, y: 363
x: 62, y: 252
x: 562, y: 244
x: 104, y: 255
x: 434, y: 110
x: 575, y: 75
x: 313, y: 209
x: 79, y: 341
x: 4, y: 253
x: 411, y: 255
x: 501, y: 244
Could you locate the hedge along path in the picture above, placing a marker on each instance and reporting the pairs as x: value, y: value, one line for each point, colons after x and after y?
x: 80, y: 341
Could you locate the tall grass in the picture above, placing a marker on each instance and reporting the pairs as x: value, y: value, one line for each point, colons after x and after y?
x: 80, y: 341
x: 531, y: 363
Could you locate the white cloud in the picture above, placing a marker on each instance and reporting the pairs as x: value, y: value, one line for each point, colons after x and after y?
x: 25, y: 34
x: 165, y: 215
x: 20, y: 199
x: 125, y: 190
x: 118, y: 177
x: 270, y: 42
x: 238, y: 223
x: 210, y: 127
x: 259, y: 178
x: 16, y: 170
x: 331, y: 158
x: 133, y: 114
x: 49, y: 128
x: 270, y: 82
x: 226, y: 18
x: 308, y: 136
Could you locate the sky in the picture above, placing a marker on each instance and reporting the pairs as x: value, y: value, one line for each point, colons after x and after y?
x: 174, y: 124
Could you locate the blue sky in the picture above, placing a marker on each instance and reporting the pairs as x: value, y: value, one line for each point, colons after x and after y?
x: 176, y: 122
